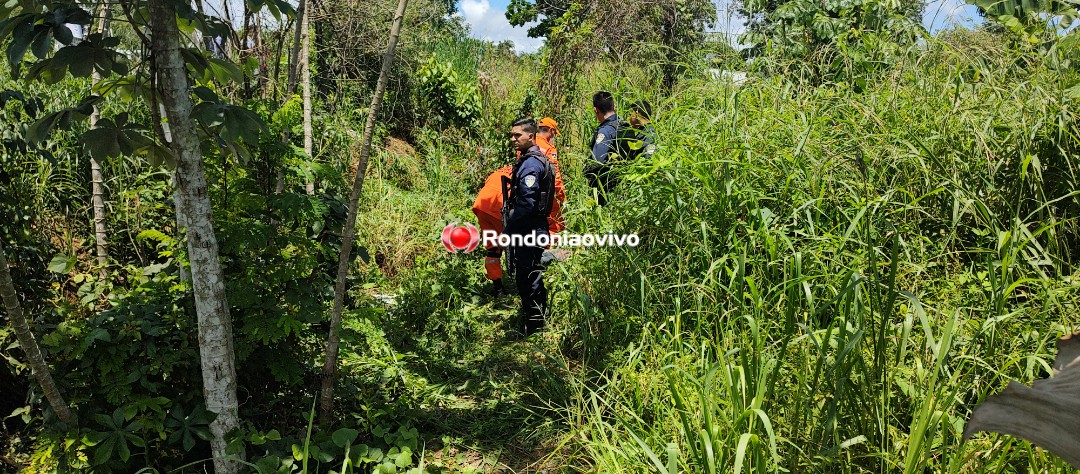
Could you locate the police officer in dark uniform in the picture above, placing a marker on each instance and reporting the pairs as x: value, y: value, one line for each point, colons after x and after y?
x: 603, y: 145
x: 530, y: 194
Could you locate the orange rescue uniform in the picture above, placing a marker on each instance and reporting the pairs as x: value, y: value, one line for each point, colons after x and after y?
x: 488, y: 210
x: 555, y: 219
x: 489, y: 203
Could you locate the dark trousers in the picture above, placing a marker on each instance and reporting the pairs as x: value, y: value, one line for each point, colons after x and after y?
x: 529, y: 276
x: 601, y: 177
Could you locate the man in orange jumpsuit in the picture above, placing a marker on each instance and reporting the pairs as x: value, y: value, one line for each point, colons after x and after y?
x: 489, y: 202
x: 549, y: 129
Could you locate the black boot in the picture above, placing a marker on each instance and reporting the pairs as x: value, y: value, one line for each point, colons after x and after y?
x: 497, y: 288
x: 533, y: 322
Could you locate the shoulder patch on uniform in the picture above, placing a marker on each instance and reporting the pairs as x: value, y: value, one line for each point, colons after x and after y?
x: 600, y: 137
x: 530, y: 180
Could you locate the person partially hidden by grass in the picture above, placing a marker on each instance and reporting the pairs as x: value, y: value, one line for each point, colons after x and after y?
x: 611, y: 143
x: 643, y: 143
x: 603, y: 146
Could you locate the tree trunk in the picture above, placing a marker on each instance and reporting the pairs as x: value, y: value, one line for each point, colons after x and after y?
x: 233, y: 37
x: 29, y: 345
x: 326, y: 397
x: 194, y: 211
x: 306, y: 74
x: 275, y: 78
x: 261, y: 53
x: 97, y: 185
x: 245, y: 49
x: 207, y: 41
x: 294, y: 54
x: 295, y: 59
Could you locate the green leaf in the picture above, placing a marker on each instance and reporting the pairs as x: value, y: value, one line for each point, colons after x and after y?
x: 361, y: 452
x: 41, y: 128
x: 82, y: 65
x: 21, y: 37
x: 204, y: 93
x: 345, y: 436
x: 157, y: 155
x: 61, y: 264
x: 105, y: 420
x: 86, y: 106
x: 404, y: 458
x: 320, y: 455
x: 1073, y: 92
x: 63, y: 121
x: 374, y: 455
x: 42, y: 43
x: 124, y: 451
x: 104, y: 451
x: 197, y: 62
x: 119, y: 67
x: 225, y: 71
x: 270, y: 463
x: 63, y: 34
x: 210, y: 114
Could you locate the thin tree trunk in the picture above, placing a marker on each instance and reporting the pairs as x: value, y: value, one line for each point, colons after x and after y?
x: 246, y: 49
x: 216, y: 353
x: 232, y: 31
x: 326, y: 397
x: 101, y: 233
x: 276, y: 77
x: 261, y: 53
x: 29, y: 345
x: 297, y: 60
x: 294, y: 54
x: 305, y: 38
x: 207, y: 41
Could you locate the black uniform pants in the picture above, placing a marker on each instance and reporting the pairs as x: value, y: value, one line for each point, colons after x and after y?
x: 601, y: 177
x: 529, y: 276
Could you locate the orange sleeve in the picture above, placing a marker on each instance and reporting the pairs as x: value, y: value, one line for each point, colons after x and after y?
x: 555, y: 219
x: 490, y: 201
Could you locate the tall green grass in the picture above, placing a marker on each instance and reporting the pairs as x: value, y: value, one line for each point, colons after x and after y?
x: 828, y: 281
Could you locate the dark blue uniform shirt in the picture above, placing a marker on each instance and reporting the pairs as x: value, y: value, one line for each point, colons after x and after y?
x: 603, y: 142
x: 524, y: 213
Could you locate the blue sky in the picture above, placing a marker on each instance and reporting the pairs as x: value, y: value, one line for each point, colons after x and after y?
x: 487, y: 20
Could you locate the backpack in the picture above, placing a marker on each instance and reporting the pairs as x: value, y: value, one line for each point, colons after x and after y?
x: 547, y: 185
x: 643, y: 143
x: 625, y: 134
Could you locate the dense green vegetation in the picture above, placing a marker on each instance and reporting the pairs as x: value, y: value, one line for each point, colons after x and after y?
x: 840, y: 258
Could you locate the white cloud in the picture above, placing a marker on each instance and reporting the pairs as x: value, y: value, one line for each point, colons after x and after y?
x: 490, y: 24
x: 475, y: 9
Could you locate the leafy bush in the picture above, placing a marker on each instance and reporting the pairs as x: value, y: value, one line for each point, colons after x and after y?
x: 455, y: 101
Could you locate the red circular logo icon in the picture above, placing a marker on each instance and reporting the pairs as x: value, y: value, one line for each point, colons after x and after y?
x: 455, y: 237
